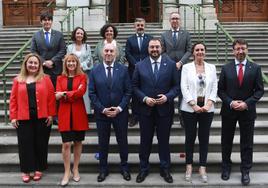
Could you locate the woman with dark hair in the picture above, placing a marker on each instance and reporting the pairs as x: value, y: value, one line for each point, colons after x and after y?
x: 199, y: 91
x: 109, y: 34
x: 83, y: 52
x: 32, y: 106
x: 73, y: 122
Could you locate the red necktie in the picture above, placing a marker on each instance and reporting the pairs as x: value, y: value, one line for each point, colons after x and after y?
x: 240, y: 74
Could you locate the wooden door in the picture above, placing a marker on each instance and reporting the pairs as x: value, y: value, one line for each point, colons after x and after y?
x: 243, y: 10
x: 121, y: 11
x: 23, y: 12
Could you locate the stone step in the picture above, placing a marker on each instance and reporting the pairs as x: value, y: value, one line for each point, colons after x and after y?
x: 115, y: 180
x: 9, y: 162
x: 8, y: 144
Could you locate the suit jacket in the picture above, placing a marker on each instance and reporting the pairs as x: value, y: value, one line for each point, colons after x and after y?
x: 250, y: 91
x: 144, y: 84
x: 133, y: 53
x: 45, y: 100
x: 73, y: 106
x: 85, y: 57
x: 182, y: 50
x: 102, y: 95
x: 55, y: 51
x: 189, y: 88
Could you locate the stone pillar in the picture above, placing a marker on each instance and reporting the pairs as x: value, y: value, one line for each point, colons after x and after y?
x: 1, y: 14
x: 209, y: 12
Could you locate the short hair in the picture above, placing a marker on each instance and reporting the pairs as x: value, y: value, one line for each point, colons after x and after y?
x: 240, y: 41
x: 105, y: 27
x: 139, y: 20
x: 156, y: 39
x: 74, y: 32
x: 173, y: 13
x: 23, y: 71
x: 45, y: 15
x: 78, y: 69
x: 195, y: 44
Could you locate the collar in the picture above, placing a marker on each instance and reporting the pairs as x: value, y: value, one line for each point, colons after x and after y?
x: 49, y: 31
x: 243, y: 62
x: 142, y: 35
x: 158, y: 60
x: 178, y: 29
x: 113, y: 42
x: 105, y: 65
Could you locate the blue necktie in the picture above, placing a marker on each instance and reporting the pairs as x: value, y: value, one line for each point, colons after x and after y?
x: 155, y: 70
x: 174, y: 37
x: 140, y: 41
x: 47, y: 38
x: 109, y: 76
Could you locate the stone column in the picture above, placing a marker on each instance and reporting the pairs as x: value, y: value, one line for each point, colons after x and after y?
x: 209, y: 12
x: 1, y: 15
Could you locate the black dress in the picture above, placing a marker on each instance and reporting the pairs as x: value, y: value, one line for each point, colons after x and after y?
x: 69, y: 136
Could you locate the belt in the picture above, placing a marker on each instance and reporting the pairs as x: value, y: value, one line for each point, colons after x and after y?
x: 200, y: 99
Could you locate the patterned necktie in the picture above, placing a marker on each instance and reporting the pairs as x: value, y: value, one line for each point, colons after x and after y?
x: 109, y: 76
x: 174, y: 37
x: 155, y: 70
x: 240, y: 75
x: 47, y: 38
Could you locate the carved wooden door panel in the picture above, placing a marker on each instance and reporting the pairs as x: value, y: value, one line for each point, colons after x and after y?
x: 243, y: 10
x: 23, y: 12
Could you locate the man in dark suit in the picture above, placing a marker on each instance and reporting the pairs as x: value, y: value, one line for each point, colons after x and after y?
x: 49, y: 44
x: 177, y: 45
x: 240, y: 87
x: 110, y: 92
x: 136, y: 50
x: 155, y: 85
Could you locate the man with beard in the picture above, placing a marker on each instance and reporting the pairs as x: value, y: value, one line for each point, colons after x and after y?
x: 240, y: 87
x: 155, y: 85
x: 136, y: 51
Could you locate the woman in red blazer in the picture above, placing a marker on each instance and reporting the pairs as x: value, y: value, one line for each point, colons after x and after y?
x: 32, y: 106
x: 72, y: 116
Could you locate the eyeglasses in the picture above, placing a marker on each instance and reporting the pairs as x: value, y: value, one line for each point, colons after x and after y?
x: 175, y: 18
x: 238, y: 49
x: 201, y: 80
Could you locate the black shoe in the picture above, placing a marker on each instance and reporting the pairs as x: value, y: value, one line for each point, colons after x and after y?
x: 102, y: 176
x: 225, y: 174
x: 126, y: 175
x: 141, y: 176
x: 166, y: 175
x: 133, y: 121
x: 245, y: 179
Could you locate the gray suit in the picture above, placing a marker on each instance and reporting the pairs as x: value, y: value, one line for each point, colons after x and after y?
x: 181, y: 51
x: 54, y: 52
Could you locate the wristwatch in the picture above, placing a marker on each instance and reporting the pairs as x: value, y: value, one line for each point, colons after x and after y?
x: 192, y: 103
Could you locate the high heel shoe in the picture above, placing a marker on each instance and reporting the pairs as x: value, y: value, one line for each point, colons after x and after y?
x: 188, y: 173
x: 76, y: 176
x: 37, y: 176
x: 65, y: 182
x: 26, y: 178
x: 203, y: 174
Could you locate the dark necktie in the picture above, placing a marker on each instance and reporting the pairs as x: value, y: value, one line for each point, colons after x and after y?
x: 174, y: 37
x: 140, y: 41
x: 240, y: 75
x: 47, y: 38
x: 109, y: 76
x: 155, y: 70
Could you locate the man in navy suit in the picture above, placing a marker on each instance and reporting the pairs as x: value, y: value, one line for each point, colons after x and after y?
x: 136, y: 50
x: 155, y: 85
x: 240, y: 87
x: 49, y: 44
x: 110, y: 92
x: 177, y: 45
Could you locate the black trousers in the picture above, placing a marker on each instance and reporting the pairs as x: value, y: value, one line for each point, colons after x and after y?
x: 246, y: 127
x: 204, y: 121
x: 120, y: 125
x: 33, y: 144
x: 162, y: 126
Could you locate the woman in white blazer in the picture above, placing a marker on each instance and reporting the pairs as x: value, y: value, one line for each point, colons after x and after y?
x: 83, y: 52
x: 199, y: 91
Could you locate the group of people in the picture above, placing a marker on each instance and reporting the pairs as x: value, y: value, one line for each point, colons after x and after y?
x: 56, y: 82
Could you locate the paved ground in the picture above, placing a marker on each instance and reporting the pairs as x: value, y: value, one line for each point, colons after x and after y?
x: 258, y: 179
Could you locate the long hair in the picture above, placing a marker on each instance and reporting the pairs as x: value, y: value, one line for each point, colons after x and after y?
x: 23, y: 71
x: 78, y: 69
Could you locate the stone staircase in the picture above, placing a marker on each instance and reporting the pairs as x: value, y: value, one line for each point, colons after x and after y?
x: 256, y: 34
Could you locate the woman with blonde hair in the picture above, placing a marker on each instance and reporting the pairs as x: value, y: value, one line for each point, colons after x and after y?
x: 71, y: 86
x: 32, y: 106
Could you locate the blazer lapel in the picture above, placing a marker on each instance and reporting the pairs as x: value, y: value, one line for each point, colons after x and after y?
x: 115, y: 73
x: 103, y: 74
x: 246, y: 72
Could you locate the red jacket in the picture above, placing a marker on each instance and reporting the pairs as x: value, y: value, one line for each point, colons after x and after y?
x: 73, y: 105
x: 45, y: 100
